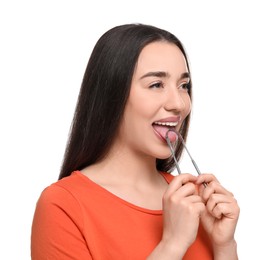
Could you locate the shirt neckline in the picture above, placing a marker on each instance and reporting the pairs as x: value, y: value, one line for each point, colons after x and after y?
x: 111, y: 195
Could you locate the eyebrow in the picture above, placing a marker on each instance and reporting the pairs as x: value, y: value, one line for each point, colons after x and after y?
x: 163, y: 74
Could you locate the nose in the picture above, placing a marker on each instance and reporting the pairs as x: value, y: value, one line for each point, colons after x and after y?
x: 176, y: 100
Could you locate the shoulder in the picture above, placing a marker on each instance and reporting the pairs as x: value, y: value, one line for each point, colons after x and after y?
x: 60, y: 201
x: 55, y: 194
x: 62, y: 187
x: 168, y: 176
x: 64, y: 193
x: 76, y: 189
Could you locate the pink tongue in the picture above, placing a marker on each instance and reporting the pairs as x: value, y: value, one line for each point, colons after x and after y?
x: 162, y: 130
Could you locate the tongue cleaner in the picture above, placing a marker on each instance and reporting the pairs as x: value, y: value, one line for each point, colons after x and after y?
x: 173, y: 152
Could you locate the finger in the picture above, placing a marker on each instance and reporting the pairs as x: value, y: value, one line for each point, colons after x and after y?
x: 193, y: 204
x: 206, y: 177
x: 215, y: 199
x: 213, y: 187
x: 179, y: 181
x: 187, y: 189
x: 225, y: 209
x: 190, y: 200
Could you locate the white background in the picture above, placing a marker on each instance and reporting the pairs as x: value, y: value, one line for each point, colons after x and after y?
x: 45, y: 46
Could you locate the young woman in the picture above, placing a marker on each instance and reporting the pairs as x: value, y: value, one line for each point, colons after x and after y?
x: 115, y: 197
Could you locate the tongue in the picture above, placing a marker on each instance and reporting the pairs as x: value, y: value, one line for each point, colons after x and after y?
x: 162, y: 131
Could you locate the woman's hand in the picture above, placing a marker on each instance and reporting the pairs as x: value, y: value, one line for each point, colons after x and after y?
x: 182, y: 208
x: 221, y: 214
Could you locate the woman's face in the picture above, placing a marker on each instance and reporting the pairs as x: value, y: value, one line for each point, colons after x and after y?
x: 158, y: 100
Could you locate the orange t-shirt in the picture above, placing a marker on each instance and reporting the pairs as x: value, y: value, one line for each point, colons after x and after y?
x: 77, y: 219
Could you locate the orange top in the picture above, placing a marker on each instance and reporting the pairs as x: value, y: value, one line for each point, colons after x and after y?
x: 77, y: 219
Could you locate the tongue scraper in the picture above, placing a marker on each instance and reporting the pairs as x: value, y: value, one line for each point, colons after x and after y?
x: 173, y: 152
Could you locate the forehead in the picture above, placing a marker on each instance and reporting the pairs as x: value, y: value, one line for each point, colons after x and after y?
x: 161, y: 56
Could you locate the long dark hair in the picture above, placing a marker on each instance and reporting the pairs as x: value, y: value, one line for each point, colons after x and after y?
x: 104, y: 91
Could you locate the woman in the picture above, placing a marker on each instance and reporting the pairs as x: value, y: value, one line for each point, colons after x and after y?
x: 115, y: 197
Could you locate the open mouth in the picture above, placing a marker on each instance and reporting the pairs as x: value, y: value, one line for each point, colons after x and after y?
x: 161, y: 128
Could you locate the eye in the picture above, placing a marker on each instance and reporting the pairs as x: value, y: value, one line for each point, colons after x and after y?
x: 156, y: 85
x: 185, y: 86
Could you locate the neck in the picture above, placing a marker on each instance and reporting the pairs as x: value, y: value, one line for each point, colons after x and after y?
x: 130, y: 176
x: 131, y: 167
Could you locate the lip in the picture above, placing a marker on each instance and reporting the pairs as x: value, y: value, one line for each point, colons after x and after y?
x: 169, y: 119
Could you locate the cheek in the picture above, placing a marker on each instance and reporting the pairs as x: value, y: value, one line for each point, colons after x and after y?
x: 187, y: 105
x: 143, y: 107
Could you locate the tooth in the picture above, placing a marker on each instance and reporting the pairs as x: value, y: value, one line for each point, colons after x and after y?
x: 166, y: 123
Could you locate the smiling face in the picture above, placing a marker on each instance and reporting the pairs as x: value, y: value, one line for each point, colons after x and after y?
x: 158, y: 100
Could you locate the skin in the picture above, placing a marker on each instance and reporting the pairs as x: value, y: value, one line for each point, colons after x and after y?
x: 185, y: 201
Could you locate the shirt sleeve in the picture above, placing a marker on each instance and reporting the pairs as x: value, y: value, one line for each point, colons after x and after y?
x: 57, y: 228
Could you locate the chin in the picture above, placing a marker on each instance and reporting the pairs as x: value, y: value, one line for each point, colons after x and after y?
x: 163, y: 157
x: 162, y: 154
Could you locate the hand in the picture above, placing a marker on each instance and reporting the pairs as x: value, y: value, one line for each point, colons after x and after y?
x: 182, y: 208
x: 222, y: 211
